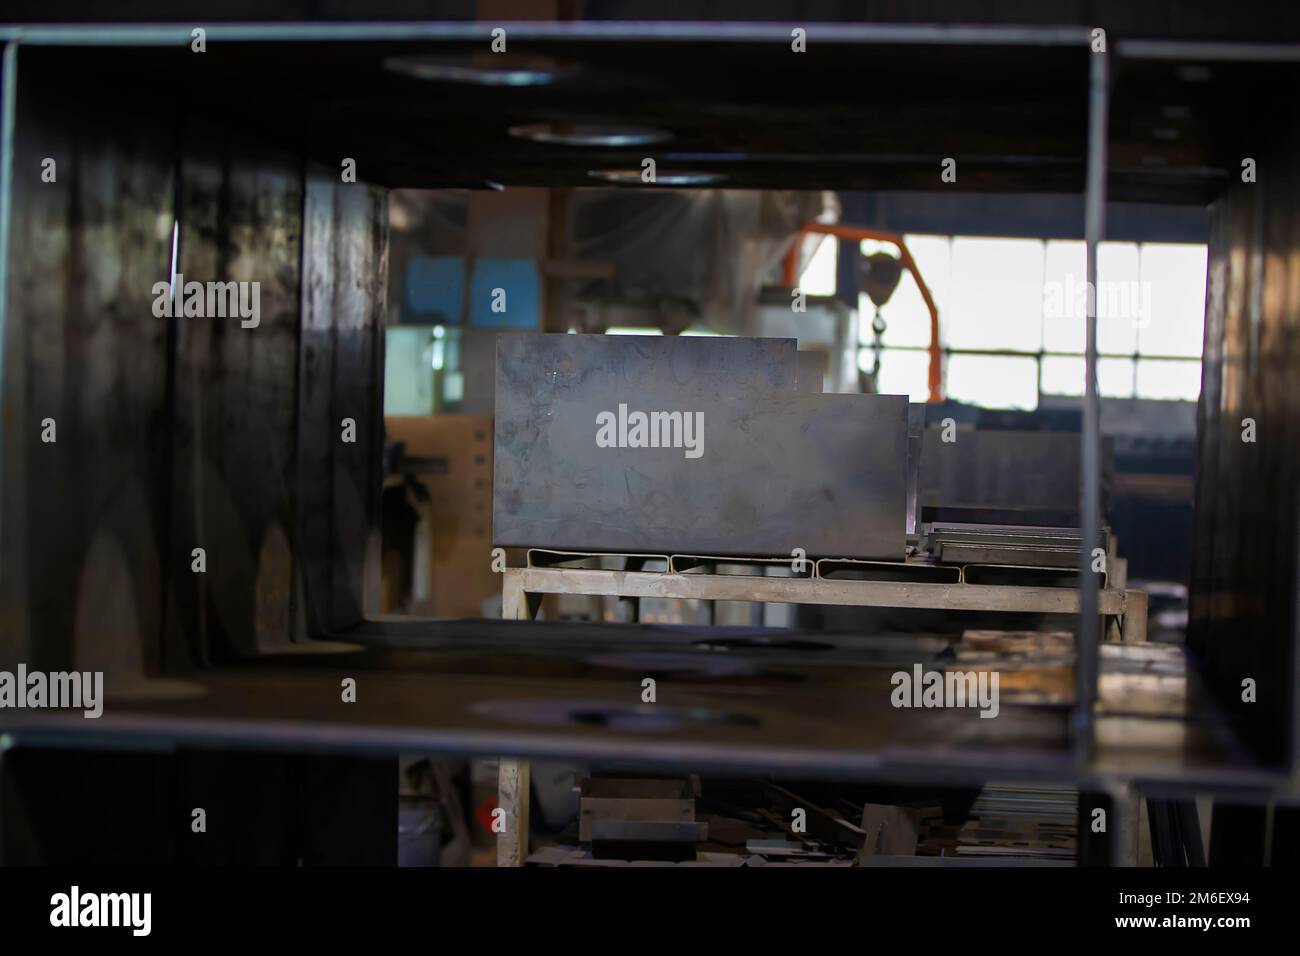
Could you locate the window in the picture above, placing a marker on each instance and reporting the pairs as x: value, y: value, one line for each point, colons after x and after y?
x: 1011, y: 318
x: 996, y: 295
x: 994, y: 381
x: 818, y: 277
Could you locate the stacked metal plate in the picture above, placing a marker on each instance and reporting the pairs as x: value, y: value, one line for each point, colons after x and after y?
x: 690, y: 445
x: 1026, y: 546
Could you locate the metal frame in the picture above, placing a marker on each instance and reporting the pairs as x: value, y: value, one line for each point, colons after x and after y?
x: 1037, y: 356
x: 8, y: 108
x: 1089, y: 632
x: 159, y: 34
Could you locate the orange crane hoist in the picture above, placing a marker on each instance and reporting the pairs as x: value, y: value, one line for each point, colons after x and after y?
x: 857, y: 234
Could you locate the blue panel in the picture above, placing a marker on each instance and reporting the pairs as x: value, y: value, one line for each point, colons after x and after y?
x: 522, y: 286
x: 434, y: 290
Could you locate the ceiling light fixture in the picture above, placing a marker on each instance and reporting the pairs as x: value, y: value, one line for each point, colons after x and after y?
x: 502, y: 70
x: 589, y: 134
x: 632, y: 177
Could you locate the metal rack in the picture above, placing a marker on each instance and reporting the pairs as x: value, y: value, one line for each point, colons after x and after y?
x: 522, y: 588
x: 1123, y: 610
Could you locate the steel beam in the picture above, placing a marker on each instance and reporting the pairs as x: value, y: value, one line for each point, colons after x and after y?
x: 1089, y: 633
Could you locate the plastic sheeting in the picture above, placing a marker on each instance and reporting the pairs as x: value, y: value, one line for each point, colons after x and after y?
x: 680, y: 257
x: 689, y: 256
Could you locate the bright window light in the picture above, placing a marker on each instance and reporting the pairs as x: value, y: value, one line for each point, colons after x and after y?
x: 1171, y: 379
x: 1030, y: 295
x: 1121, y: 301
x: 1063, y: 375
x: 1176, y: 277
x: 1064, y: 278
x: 996, y: 296
x: 994, y: 381
x: 818, y: 277
x: 902, y: 372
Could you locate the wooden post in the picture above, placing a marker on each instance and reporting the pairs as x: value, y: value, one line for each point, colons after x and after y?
x: 512, y: 797
x: 1134, y: 627
x: 512, y: 774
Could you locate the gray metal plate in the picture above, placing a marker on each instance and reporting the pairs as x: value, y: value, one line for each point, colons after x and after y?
x: 533, y: 366
x: 779, y: 469
x: 988, y: 469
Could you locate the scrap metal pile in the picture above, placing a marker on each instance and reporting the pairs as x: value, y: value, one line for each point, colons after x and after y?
x: 721, y: 823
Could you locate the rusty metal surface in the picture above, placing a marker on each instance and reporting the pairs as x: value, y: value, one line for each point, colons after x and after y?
x: 81, y: 524
x: 184, y: 432
x: 1244, y: 619
x: 776, y: 469
x: 340, y: 367
x: 233, y: 461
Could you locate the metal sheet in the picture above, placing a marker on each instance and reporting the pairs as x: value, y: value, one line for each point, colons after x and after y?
x: 915, y: 440
x: 537, y: 365
x: 848, y: 729
x: 190, y: 431
x: 239, y: 208
x: 1245, y: 620
x: 1014, y: 545
x: 776, y: 469
x: 1031, y: 473
x: 80, y: 554
x: 341, y: 375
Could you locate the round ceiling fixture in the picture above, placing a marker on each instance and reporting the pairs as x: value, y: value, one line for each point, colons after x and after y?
x: 632, y: 177
x: 502, y: 69
x: 589, y: 134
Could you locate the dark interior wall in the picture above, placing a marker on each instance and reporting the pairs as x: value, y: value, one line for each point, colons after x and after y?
x: 186, y: 432
x: 1244, y: 618
x: 83, y: 515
